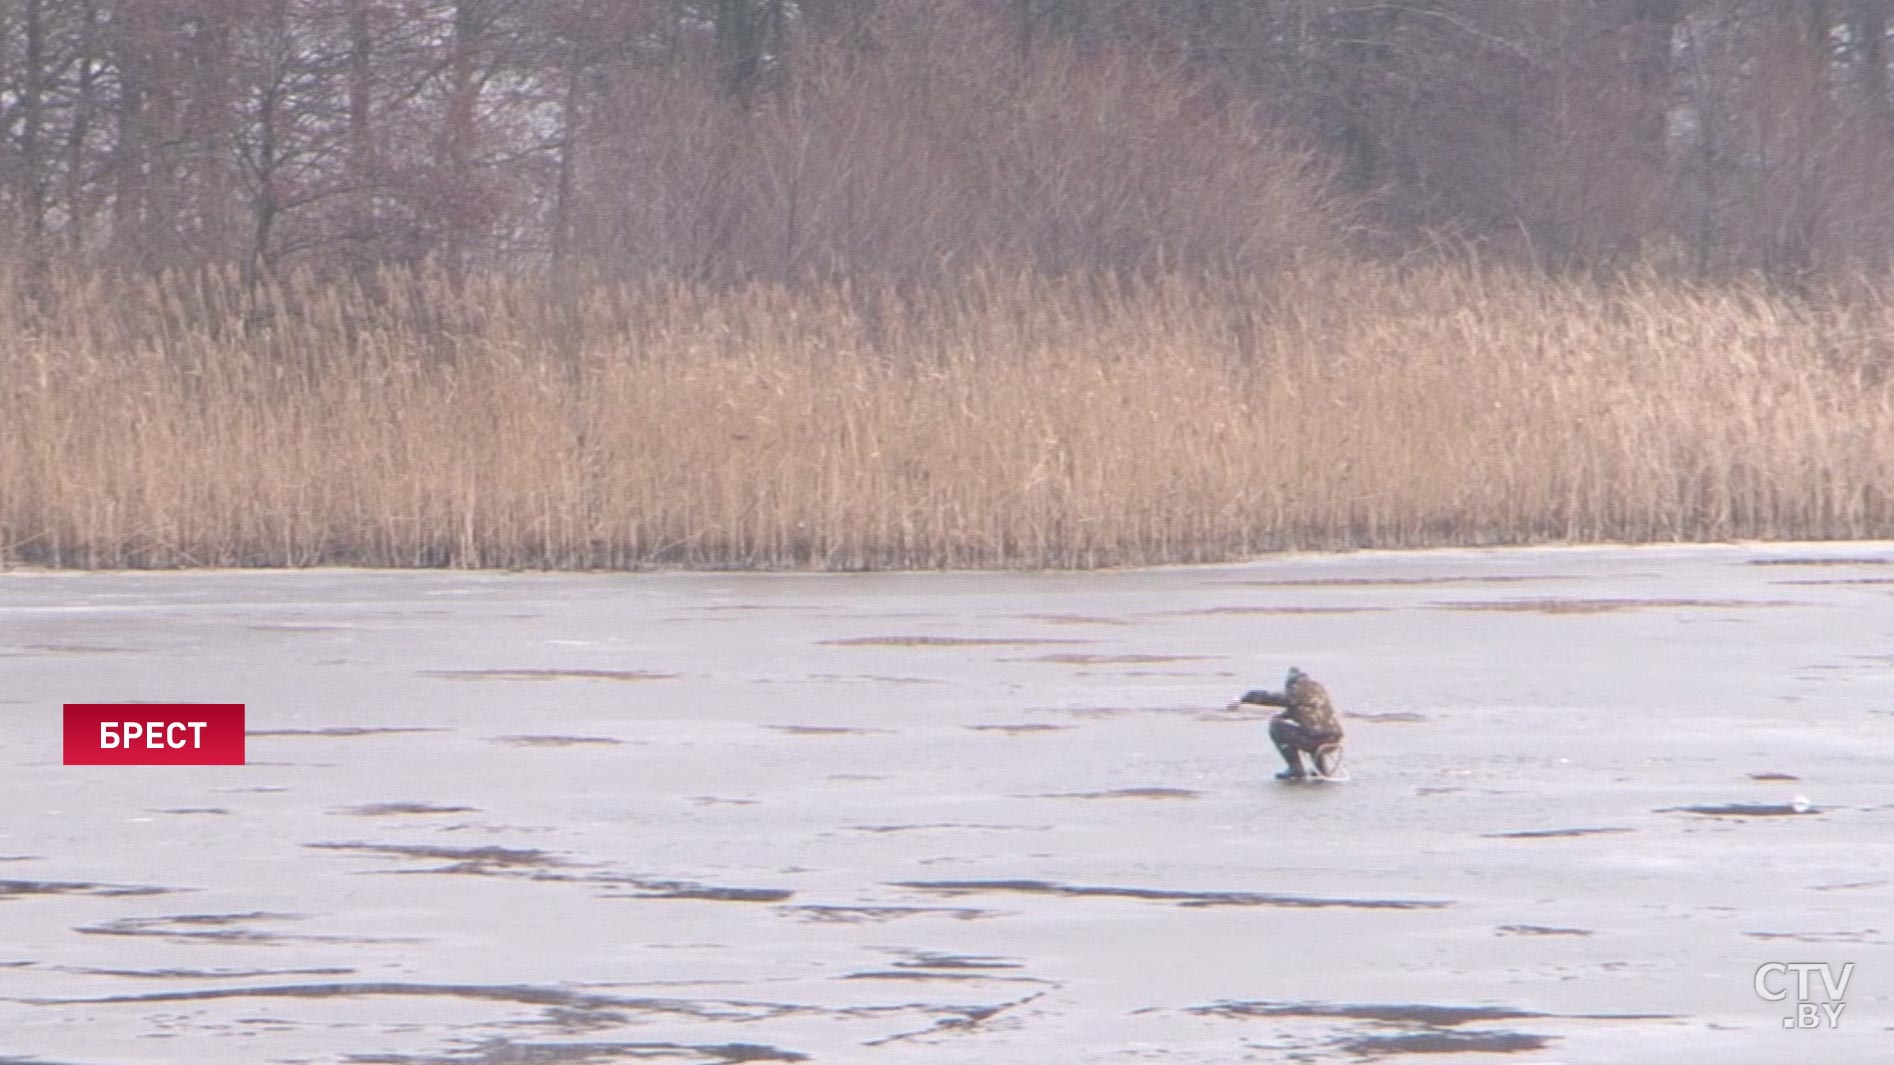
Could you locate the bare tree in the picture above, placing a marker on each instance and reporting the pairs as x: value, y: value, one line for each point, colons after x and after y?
x: 1726, y: 135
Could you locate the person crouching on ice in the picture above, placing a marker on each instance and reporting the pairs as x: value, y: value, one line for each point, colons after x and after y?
x: 1308, y: 725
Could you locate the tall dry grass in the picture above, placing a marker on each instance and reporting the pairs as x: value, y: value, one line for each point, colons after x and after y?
x: 1006, y: 421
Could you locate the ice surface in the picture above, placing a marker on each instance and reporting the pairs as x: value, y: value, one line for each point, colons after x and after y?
x: 959, y: 817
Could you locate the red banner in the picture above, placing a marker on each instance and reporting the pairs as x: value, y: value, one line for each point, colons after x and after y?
x: 154, y: 733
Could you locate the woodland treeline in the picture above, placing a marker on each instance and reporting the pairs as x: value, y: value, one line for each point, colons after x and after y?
x: 792, y: 140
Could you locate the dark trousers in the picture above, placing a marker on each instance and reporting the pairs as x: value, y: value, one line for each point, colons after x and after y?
x: 1292, y: 740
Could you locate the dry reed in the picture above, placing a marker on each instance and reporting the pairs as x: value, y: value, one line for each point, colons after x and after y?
x: 1009, y: 420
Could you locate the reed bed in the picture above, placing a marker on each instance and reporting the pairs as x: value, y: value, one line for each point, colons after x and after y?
x: 1009, y: 420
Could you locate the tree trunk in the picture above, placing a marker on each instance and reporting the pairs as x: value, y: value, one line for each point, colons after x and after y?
x: 1652, y: 25
x: 844, y: 21
x: 568, y: 148
x: 1868, y: 28
x: 457, y: 138
x: 130, y: 161
x: 748, y: 31
x: 78, y: 193
x: 32, y: 122
x: 362, y: 164
x: 208, y: 130
x: 267, y: 204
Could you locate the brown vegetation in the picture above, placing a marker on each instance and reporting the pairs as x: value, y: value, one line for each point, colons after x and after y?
x: 1010, y: 421
x: 849, y: 284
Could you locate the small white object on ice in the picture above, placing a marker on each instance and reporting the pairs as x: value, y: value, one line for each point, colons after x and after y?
x: 1801, y: 804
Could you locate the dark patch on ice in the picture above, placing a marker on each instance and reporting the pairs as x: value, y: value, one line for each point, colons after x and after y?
x: 556, y: 741
x: 1075, y: 659
x: 958, y: 1019
x: 1862, y: 936
x: 538, y: 865
x: 686, y: 889
x: 1818, y: 560
x: 1556, y: 833
x: 1211, y: 611
x: 817, y: 914
x: 77, y: 649
x: 1540, y: 930
x: 886, y: 974
x: 1393, y: 717
x: 945, y: 641
x: 396, y: 809
x: 1839, y: 580
x: 924, y: 976
x: 870, y: 678
x: 965, y: 825
x: 653, y: 888
x: 1445, y: 1042
x: 824, y: 730
x: 1183, y: 898
x: 547, y: 674
x: 720, y: 800
x: 1773, y: 776
x: 472, y: 860
x: 1116, y: 711
x: 221, y: 928
x: 933, y: 959
x: 509, y: 1052
x: 193, y: 810
x: 210, y: 920
x: 344, y: 731
x: 1122, y: 793
x: 522, y: 994
x: 1423, y: 1014
x: 934, y: 965
x: 1744, y: 809
x: 1391, y: 582
x: 15, y: 888
x: 207, y: 974
x: 1599, y: 606
x: 1073, y: 619
x: 1017, y: 729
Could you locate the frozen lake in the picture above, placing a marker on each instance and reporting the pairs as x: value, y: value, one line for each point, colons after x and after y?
x: 553, y: 819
